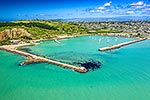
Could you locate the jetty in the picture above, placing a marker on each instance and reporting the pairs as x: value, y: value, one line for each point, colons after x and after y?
x: 120, y: 45
x: 31, y: 58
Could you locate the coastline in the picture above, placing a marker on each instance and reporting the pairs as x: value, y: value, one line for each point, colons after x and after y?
x: 59, y: 37
x: 33, y: 58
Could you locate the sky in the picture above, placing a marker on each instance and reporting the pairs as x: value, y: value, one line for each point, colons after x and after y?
x: 65, y: 9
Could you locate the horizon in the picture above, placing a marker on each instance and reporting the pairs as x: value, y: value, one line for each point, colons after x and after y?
x: 74, y: 9
x: 89, y: 19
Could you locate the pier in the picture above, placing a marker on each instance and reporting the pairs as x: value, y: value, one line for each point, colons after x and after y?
x: 35, y: 59
x: 120, y: 45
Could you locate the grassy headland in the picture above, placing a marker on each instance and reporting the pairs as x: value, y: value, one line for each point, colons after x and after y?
x: 38, y: 29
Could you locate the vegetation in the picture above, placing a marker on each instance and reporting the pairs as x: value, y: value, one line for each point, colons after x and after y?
x: 0, y: 42
x: 4, y: 42
x: 44, y: 29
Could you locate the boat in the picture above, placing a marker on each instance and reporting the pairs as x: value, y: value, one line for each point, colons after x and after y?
x: 57, y: 41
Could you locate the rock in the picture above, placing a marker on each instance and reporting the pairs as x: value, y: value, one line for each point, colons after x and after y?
x: 90, y: 65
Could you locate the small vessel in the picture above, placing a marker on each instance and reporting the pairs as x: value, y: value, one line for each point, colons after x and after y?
x: 57, y: 41
x: 99, y: 40
x: 116, y: 39
x: 108, y: 41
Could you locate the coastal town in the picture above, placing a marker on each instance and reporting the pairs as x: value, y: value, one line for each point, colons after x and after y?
x: 130, y: 28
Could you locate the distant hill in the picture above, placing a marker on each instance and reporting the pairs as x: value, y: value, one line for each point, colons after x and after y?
x: 121, y: 18
x: 93, y: 19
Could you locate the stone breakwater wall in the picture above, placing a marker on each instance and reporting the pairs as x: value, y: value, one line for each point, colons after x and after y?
x: 34, y: 59
x: 120, y: 45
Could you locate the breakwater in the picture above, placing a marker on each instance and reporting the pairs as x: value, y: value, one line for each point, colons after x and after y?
x: 120, y: 45
x: 35, y: 59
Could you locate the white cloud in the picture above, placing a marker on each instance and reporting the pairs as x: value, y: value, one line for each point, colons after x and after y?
x: 129, y: 12
x: 101, y: 8
x: 107, y: 4
x: 140, y: 3
x: 134, y: 8
x: 92, y: 11
x: 148, y: 9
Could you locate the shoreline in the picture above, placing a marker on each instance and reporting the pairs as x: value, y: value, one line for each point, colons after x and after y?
x: 60, y: 37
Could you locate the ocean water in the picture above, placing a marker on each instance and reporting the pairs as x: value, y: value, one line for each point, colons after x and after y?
x: 124, y: 73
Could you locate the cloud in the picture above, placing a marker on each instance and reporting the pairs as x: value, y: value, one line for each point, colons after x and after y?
x: 92, y: 11
x: 140, y: 8
x: 107, y: 4
x: 133, y: 8
x: 102, y: 8
x: 129, y: 12
x: 147, y: 9
x: 140, y: 3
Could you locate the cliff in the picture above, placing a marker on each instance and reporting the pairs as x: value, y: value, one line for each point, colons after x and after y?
x: 13, y: 33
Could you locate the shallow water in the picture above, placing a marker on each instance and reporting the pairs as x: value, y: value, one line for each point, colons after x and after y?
x: 124, y: 73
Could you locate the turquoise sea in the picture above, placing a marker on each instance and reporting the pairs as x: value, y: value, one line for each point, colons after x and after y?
x: 124, y: 73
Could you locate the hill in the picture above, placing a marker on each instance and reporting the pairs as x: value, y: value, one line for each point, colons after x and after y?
x: 37, y: 29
